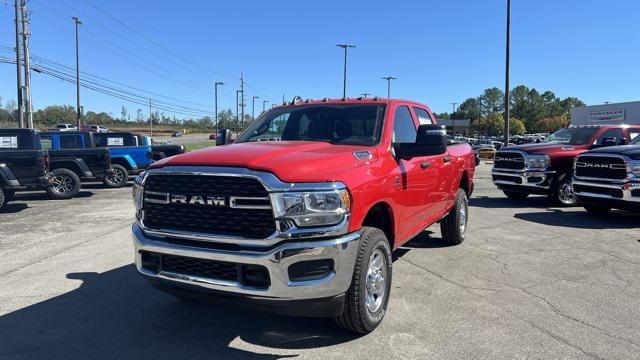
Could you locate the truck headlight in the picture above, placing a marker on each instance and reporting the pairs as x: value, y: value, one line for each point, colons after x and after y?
x: 312, y: 208
x: 634, y: 168
x: 537, y: 162
x: 138, y: 191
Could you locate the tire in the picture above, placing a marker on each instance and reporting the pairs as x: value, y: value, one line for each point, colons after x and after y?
x: 454, y: 226
x: 118, y: 178
x: 65, y: 185
x: 562, y: 192
x: 3, y: 199
x: 8, y: 195
x: 597, y: 210
x: 513, y: 195
x: 367, y: 298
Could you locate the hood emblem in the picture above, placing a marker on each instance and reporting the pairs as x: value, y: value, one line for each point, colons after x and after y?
x: 363, y: 155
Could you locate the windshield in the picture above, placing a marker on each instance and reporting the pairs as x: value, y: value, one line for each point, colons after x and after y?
x: 571, y: 136
x: 337, y: 124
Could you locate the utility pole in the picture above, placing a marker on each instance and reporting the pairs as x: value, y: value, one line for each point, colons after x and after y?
x: 389, y: 78
x: 78, y: 22
x: 216, y: 102
x: 150, y: 119
x: 506, y: 78
x: 365, y: 95
x: 264, y: 102
x: 18, y: 71
x: 237, y: 106
x: 242, y: 101
x: 453, y: 120
x: 283, y: 99
x: 344, y: 75
x: 27, y: 67
x: 253, y: 106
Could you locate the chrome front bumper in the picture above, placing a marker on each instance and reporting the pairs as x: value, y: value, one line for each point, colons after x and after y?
x: 524, y: 177
x: 342, y: 250
x: 625, y: 187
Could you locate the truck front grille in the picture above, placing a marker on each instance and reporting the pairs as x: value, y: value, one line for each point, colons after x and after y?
x: 509, y: 160
x: 601, y: 167
x: 216, y: 218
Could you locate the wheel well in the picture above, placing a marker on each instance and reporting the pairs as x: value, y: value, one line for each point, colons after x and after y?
x: 121, y: 162
x: 67, y: 165
x: 464, y: 183
x: 380, y: 217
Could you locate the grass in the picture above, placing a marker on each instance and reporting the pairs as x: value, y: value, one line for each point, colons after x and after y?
x: 198, y: 145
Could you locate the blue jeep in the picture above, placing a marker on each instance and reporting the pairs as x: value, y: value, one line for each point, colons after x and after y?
x: 127, y: 158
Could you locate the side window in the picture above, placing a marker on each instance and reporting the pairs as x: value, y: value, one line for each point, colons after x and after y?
x: 404, y: 129
x: 69, y: 142
x: 46, y: 142
x: 634, y: 132
x: 423, y: 116
x: 611, y: 133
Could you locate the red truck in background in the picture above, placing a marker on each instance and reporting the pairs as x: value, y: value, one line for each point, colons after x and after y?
x: 547, y: 168
x: 300, y: 215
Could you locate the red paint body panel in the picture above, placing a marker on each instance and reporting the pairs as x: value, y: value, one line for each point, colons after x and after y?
x: 416, y: 197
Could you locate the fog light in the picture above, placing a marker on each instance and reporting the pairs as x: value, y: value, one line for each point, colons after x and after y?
x: 150, y: 261
x: 310, y: 270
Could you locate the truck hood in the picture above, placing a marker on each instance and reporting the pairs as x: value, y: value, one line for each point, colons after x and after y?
x: 291, y: 161
x: 628, y: 150
x: 544, y: 149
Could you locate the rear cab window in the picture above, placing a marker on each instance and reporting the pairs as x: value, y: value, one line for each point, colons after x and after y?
x: 610, y: 133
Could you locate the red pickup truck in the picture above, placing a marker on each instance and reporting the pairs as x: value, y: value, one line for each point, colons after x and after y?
x: 300, y: 215
x: 547, y: 168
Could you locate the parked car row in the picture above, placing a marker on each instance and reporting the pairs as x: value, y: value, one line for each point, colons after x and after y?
x: 597, y: 167
x: 59, y: 162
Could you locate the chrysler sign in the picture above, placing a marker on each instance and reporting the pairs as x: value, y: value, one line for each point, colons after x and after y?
x: 610, y: 115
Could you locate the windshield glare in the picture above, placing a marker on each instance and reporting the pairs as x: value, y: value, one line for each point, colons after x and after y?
x: 336, y: 124
x: 571, y: 136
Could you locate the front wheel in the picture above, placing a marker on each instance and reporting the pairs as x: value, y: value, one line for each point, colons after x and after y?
x: 454, y: 226
x: 367, y: 298
x: 562, y: 191
x: 65, y: 184
x: 118, y: 177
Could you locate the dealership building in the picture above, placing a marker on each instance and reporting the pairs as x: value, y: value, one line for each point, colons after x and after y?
x: 619, y: 113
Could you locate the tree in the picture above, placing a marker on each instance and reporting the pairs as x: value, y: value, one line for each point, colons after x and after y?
x: 123, y: 113
x: 55, y: 114
x: 139, y: 116
x: 492, y: 100
x: 469, y: 109
x: 552, y: 124
x: 490, y: 125
x: 516, y: 127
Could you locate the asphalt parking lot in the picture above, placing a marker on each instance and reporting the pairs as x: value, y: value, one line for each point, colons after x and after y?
x: 530, y: 281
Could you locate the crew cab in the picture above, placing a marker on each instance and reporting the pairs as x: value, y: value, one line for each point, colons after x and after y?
x: 609, y: 177
x: 74, y: 158
x: 128, y: 158
x: 546, y: 168
x: 301, y: 213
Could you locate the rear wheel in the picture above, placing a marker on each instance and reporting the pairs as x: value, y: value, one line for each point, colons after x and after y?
x: 597, y: 210
x: 562, y: 191
x: 513, y: 195
x: 367, y: 298
x: 65, y: 184
x: 454, y: 226
x: 118, y: 177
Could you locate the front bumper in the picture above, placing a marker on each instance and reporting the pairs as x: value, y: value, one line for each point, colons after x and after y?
x: 623, y: 194
x: 525, y: 180
x: 277, y: 259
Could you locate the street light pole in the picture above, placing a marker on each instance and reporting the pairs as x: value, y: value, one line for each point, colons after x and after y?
x: 264, y: 102
x: 253, y: 107
x: 453, y: 120
x: 77, y: 22
x: 344, y: 74
x: 215, y: 86
x: 506, y: 78
x: 389, y: 78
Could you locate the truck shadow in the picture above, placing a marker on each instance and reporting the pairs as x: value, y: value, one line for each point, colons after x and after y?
x: 41, y: 195
x: 503, y: 202
x: 580, y: 219
x: 99, y: 186
x: 13, y: 208
x: 117, y: 315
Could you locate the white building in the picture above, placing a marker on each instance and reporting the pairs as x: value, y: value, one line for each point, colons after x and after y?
x: 619, y: 113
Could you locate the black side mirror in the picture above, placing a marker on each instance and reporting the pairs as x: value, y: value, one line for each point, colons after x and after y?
x: 431, y: 140
x: 223, y: 137
x: 609, y: 141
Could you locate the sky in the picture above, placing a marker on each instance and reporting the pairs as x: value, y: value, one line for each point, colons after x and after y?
x: 440, y: 51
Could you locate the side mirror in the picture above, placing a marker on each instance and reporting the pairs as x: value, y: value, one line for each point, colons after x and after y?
x: 609, y: 141
x: 431, y: 140
x: 223, y: 137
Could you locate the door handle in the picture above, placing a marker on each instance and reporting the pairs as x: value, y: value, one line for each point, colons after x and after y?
x: 425, y: 164
x: 446, y: 159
